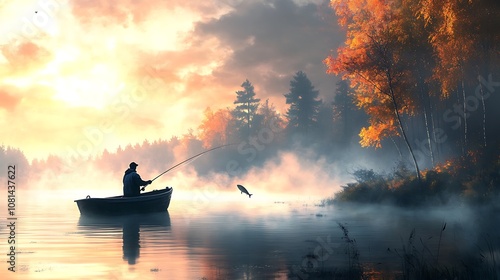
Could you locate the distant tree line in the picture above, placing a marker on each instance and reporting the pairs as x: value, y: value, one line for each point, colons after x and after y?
x: 256, y: 128
x: 10, y: 156
x: 250, y: 115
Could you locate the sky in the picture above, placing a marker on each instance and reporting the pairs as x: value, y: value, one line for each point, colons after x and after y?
x: 81, y: 76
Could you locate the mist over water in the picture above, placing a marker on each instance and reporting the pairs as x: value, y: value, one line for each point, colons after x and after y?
x: 287, y: 174
x: 214, y: 231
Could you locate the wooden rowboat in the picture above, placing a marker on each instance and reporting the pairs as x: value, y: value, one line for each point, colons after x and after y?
x: 149, y: 202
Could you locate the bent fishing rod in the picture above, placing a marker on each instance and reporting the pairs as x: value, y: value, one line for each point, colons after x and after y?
x: 184, y: 161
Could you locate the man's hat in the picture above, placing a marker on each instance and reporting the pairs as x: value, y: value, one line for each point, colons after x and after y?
x: 133, y: 164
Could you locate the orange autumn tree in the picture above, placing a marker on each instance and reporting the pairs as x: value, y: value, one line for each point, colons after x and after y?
x: 465, y: 38
x: 447, y: 19
x: 374, y: 61
x: 215, y: 129
x: 466, y: 42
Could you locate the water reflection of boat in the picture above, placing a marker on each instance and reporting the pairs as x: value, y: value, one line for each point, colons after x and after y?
x: 149, y: 202
x: 151, y: 219
x: 130, y: 225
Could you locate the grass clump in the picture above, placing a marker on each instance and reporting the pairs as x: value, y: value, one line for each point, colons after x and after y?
x: 427, y: 264
x: 418, y: 261
x: 438, y: 186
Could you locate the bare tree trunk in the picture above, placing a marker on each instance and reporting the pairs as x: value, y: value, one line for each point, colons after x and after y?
x: 425, y: 101
x: 465, y: 117
x: 398, y: 117
x: 484, y: 113
x: 417, y: 170
x: 428, y: 136
x: 397, y: 147
x: 437, y: 154
x: 460, y: 121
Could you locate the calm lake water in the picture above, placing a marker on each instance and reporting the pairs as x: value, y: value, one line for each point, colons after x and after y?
x: 235, y: 238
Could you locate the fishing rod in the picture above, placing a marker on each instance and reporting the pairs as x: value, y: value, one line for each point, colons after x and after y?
x: 191, y: 158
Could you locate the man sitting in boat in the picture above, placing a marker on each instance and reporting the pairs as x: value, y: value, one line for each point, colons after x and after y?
x: 132, y: 181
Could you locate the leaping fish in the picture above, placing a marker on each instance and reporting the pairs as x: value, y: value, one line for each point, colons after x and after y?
x: 243, y: 190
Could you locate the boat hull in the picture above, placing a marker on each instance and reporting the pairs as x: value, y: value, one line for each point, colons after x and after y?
x: 150, y: 202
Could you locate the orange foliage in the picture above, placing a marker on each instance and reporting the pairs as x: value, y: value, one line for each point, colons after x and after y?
x: 397, y: 51
x: 372, y: 135
x: 374, y: 63
x: 391, y: 45
x: 460, y: 33
x: 444, y: 167
x: 214, y: 129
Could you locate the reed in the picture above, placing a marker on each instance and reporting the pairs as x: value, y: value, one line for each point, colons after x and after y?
x: 351, y: 250
x: 421, y: 264
x: 439, y: 243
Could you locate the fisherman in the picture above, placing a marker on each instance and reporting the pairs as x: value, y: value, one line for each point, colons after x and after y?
x: 132, y: 181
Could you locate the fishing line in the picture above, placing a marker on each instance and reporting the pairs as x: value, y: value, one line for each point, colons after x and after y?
x: 189, y: 159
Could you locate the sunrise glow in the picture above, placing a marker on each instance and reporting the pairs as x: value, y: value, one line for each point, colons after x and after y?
x: 262, y: 139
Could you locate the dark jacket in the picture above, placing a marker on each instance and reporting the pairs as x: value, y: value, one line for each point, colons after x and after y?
x: 132, y: 183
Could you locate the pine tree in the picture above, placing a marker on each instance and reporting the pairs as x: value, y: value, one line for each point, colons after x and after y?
x: 269, y: 115
x: 347, y: 118
x: 246, y: 109
x: 304, y: 106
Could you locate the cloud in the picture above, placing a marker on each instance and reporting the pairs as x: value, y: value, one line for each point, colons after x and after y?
x: 25, y: 56
x: 272, y: 40
x: 96, y: 64
x: 108, y: 12
x: 8, y: 101
x: 134, y: 12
